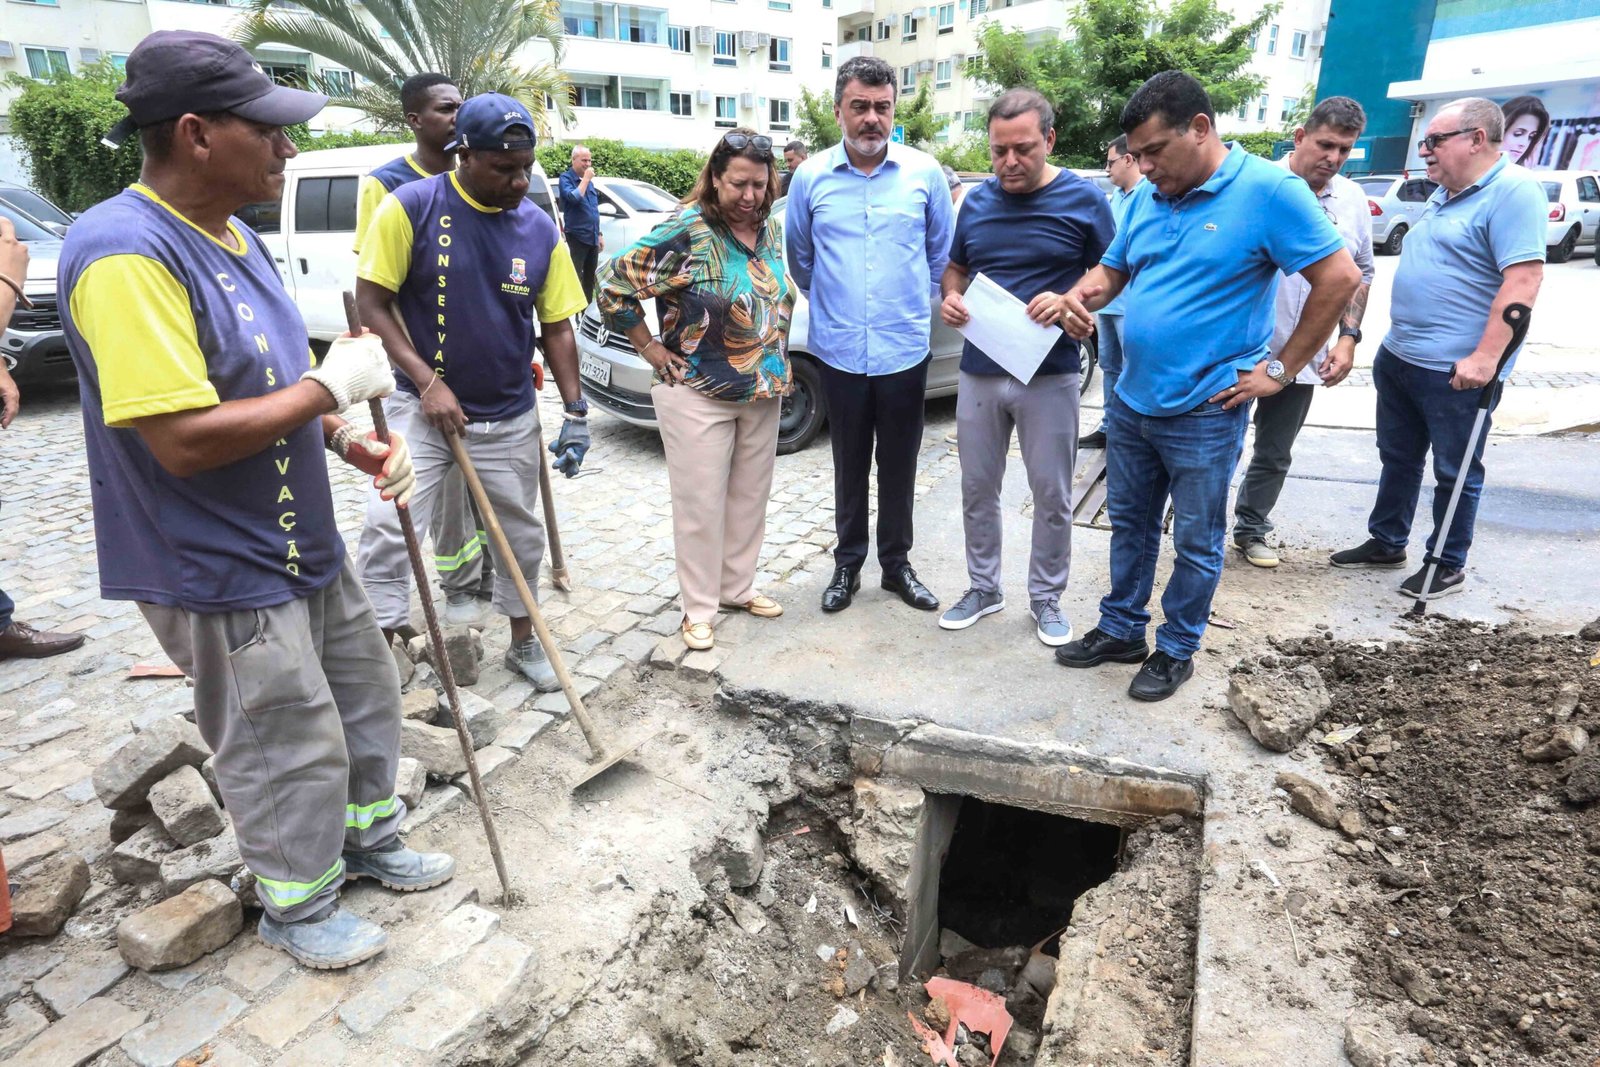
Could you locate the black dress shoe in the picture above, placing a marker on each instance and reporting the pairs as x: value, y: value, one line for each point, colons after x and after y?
x: 840, y: 591
x: 904, y: 584
x: 1160, y: 677
x: 1097, y: 647
x: 1093, y: 440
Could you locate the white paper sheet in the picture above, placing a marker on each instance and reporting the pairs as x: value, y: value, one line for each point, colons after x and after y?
x: 998, y: 323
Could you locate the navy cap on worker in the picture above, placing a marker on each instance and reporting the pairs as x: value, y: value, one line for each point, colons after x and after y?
x: 484, y: 121
x: 177, y: 72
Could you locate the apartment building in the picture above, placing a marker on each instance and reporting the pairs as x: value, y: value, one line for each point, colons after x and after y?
x: 1288, y: 54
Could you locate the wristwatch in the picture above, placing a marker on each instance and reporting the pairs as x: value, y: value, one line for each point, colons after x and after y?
x: 578, y: 408
x: 1276, y: 372
x: 1350, y: 331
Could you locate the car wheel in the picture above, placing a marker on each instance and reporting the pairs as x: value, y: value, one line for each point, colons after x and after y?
x: 804, y: 410
x: 1597, y: 250
x: 1091, y: 359
x: 1397, y: 237
x: 1560, y: 253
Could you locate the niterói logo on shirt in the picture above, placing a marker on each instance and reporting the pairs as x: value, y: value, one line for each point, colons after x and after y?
x: 519, y: 271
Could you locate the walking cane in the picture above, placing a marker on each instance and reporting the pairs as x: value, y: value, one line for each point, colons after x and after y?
x: 436, y: 636
x: 558, y: 562
x: 1517, y: 317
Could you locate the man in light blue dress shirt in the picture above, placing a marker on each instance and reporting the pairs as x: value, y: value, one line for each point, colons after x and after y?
x: 868, y: 231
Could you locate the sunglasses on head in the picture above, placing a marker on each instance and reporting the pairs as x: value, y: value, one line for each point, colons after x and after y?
x: 740, y: 141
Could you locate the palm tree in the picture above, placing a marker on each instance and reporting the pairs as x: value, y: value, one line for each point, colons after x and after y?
x: 475, y: 42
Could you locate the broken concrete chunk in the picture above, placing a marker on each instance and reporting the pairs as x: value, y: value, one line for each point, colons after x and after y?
x: 1566, y: 701
x: 410, y: 780
x: 1562, y: 742
x: 1309, y: 799
x: 129, y: 821
x: 216, y: 857
x: 746, y: 914
x: 403, y: 662
x: 21, y: 854
x: 186, y: 808
x: 420, y: 704
x: 483, y: 719
x: 859, y: 970
x: 137, y: 861
x: 843, y: 1019
x: 1277, y: 702
x: 1351, y: 824
x: 887, y: 815
x: 435, y: 747
x: 208, y: 771
x: 179, y: 931
x: 1363, y: 1047
x: 124, y: 780
x: 742, y: 853
x: 462, y: 648
x: 48, y: 895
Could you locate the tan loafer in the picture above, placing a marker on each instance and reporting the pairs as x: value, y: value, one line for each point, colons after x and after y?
x: 697, y: 635
x: 760, y: 605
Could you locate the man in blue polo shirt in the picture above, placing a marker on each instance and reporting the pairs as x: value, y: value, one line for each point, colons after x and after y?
x: 1034, y: 229
x: 580, y: 216
x: 1198, y: 257
x: 1478, y: 248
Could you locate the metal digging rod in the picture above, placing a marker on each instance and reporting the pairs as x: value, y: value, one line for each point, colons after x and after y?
x: 436, y: 638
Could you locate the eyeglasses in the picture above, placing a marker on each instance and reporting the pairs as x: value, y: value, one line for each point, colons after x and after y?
x: 1113, y: 162
x: 1433, y: 140
x: 740, y: 141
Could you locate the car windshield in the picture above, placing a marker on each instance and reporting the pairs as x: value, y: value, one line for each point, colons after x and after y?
x: 35, y: 205
x: 642, y: 196
x: 1376, y: 186
x: 27, y: 228
x: 1552, y: 190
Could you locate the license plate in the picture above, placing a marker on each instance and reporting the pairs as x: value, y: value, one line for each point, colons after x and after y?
x: 594, y: 368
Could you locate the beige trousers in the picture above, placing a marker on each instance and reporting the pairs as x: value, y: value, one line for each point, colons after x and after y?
x: 719, y: 463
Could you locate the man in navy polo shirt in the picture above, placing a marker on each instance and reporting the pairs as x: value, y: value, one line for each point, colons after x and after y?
x: 1197, y: 256
x: 1033, y: 229
x: 1478, y: 248
x: 580, y: 216
x: 454, y: 272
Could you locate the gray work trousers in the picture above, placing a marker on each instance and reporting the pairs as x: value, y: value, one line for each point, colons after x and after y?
x: 505, y: 455
x: 301, y: 704
x: 460, y: 545
x: 1045, y: 415
x: 1278, y: 419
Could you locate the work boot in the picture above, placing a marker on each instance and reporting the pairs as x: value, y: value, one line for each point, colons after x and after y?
x: 466, y: 609
x: 1445, y: 581
x: 1097, y: 647
x: 328, y: 940
x: 527, y: 658
x: 399, y: 867
x: 1160, y: 676
x: 1370, y: 553
x: 21, y: 641
x: 973, y: 605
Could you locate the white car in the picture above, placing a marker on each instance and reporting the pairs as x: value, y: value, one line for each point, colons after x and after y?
x: 1574, y: 217
x: 629, y: 209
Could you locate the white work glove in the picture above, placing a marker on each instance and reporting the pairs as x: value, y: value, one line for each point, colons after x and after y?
x: 389, y: 464
x: 355, y: 369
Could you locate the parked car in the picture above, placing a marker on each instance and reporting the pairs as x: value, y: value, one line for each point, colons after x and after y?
x: 1099, y: 177
x: 34, y: 346
x: 629, y: 209
x: 42, y: 210
x: 311, y: 229
x: 1574, y: 218
x: 617, y: 381
x: 1396, y: 203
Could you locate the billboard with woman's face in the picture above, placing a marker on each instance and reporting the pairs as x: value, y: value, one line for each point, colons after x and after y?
x: 1554, y: 129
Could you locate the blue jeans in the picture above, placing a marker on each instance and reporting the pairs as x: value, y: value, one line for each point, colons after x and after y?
x: 6, y: 608
x: 1417, y: 410
x: 1191, y: 458
x: 1110, y: 355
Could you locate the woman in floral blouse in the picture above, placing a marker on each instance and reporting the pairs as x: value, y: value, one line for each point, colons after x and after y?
x: 721, y: 369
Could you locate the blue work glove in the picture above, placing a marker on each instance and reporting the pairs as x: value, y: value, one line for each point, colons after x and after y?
x: 570, y: 446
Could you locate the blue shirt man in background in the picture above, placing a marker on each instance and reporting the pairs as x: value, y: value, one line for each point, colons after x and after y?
x: 1198, y: 257
x: 1033, y: 229
x: 1478, y: 248
x: 1123, y: 170
x: 580, y: 217
x: 868, y: 230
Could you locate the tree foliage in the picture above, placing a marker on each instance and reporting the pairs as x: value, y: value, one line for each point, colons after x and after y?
x: 60, y: 122
x: 817, y: 126
x: 1110, y: 48
x: 675, y: 170
x: 474, y: 42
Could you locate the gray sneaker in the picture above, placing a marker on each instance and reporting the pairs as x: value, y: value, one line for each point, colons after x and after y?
x: 527, y: 658
x: 400, y: 868
x: 330, y: 940
x: 466, y: 609
x: 1054, y: 629
x: 973, y: 605
x: 1258, y: 553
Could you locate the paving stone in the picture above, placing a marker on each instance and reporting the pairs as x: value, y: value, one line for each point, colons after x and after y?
x: 495, y: 974
x: 227, y: 1054
x: 305, y: 1000
x: 137, y: 861
x: 483, y: 719
x: 128, y: 821
x: 519, y: 733
x: 634, y: 647
x: 124, y: 780
x: 556, y: 703
x: 48, y: 730
x: 48, y: 896
x: 701, y: 665
x: 667, y: 624
x: 668, y: 653
x: 29, y: 821
x: 82, y: 1034
x: 512, y: 697
x: 403, y: 662
x: 435, y: 747
x: 389, y: 989
x: 216, y: 857
x: 79, y: 979
x: 19, y: 966
x: 32, y: 849
x: 208, y: 771
x: 183, y: 977
x: 439, y: 1021
x: 184, y: 1029
x: 456, y: 933
x: 179, y: 930
x: 183, y: 803
x: 20, y: 1023
x: 491, y: 761
x: 601, y: 667
x: 584, y: 640
x: 463, y: 649
x: 410, y: 780
x: 436, y: 801
x: 327, y: 1049
x: 48, y: 781
x: 421, y: 705
x: 256, y: 966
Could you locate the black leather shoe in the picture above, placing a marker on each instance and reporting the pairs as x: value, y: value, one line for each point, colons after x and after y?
x: 1097, y: 647
x: 1160, y: 677
x: 1093, y: 440
x: 842, y: 590
x: 903, y: 583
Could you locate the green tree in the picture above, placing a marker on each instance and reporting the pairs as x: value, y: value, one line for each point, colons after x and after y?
x: 60, y: 122
x: 1110, y: 48
x: 917, y: 117
x: 475, y: 42
x: 817, y: 126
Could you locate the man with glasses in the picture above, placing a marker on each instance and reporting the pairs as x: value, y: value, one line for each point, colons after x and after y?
x: 1478, y: 248
x: 1123, y: 170
x: 868, y: 230
x: 1321, y: 147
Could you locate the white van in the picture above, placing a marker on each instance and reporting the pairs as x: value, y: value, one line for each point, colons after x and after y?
x: 311, y: 230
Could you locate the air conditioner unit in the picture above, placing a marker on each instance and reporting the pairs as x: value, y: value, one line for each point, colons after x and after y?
x: 763, y: 41
x: 7, y: 50
x: 1318, y: 37
x: 702, y: 96
x: 706, y: 35
x: 1418, y: 108
x: 749, y: 40
x: 919, y: 12
x: 924, y: 66
x: 747, y: 100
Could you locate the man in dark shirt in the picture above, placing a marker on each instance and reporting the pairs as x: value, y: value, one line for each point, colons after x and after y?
x: 1034, y: 229
x: 794, y: 154
x: 580, y: 217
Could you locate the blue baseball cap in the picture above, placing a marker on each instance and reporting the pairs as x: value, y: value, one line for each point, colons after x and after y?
x: 485, y: 119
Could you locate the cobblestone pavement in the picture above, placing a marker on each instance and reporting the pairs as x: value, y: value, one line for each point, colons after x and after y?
x: 71, y: 999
